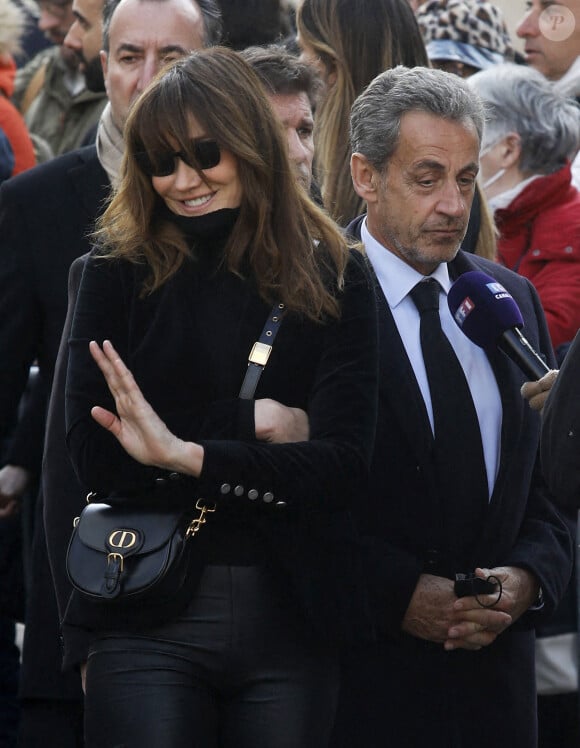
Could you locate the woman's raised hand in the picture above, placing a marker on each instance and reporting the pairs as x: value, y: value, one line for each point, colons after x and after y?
x: 138, y: 428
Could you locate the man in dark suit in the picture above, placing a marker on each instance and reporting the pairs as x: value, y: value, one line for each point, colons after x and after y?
x: 446, y: 672
x: 46, y: 216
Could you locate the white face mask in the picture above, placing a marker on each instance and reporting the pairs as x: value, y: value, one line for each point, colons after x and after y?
x: 499, y: 174
x: 493, y: 179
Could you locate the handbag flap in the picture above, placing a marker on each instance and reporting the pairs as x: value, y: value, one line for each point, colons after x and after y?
x: 104, y: 527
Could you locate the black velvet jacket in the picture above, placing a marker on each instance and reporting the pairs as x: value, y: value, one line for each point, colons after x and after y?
x: 187, y: 345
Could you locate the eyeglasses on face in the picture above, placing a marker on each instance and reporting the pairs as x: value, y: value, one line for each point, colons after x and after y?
x: 163, y: 163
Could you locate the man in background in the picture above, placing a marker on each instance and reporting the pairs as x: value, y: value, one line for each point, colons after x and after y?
x: 59, y: 109
x: 292, y: 87
x: 85, y: 39
x: 556, y: 54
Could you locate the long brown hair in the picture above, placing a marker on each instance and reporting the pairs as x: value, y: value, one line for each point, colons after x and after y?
x: 486, y: 245
x: 356, y: 41
x: 294, y: 251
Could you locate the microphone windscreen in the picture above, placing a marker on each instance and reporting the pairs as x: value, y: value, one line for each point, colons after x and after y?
x: 483, y: 308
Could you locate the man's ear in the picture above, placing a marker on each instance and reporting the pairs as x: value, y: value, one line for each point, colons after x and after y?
x: 105, y: 65
x: 104, y: 62
x: 364, y: 177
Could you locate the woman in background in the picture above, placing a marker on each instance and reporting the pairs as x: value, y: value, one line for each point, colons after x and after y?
x: 351, y: 43
x: 531, y: 136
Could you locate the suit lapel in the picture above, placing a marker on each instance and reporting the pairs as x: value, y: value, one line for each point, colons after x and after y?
x: 399, y: 387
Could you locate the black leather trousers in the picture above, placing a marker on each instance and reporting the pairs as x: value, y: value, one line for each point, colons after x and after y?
x: 239, y: 669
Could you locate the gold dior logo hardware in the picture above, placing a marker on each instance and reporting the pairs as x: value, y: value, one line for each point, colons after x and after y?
x: 122, y: 539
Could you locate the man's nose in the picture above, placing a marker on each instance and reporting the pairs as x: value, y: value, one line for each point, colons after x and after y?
x: 148, y: 71
x: 451, y: 201
x: 529, y: 25
x: 72, y: 40
x: 296, y: 149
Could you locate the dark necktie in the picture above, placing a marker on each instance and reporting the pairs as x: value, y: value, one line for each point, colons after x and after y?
x: 458, y: 450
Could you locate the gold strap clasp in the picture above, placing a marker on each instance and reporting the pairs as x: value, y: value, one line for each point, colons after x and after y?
x: 197, y: 522
x: 260, y: 353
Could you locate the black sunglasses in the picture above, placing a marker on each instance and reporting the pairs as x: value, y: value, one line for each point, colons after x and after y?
x: 162, y: 163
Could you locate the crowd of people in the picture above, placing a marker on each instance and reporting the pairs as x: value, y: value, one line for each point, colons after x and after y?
x: 384, y: 554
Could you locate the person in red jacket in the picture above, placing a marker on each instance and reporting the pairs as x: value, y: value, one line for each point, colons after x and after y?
x: 12, y: 23
x: 532, y: 135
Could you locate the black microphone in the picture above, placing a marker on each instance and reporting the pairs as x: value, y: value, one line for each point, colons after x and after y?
x: 489, y: 316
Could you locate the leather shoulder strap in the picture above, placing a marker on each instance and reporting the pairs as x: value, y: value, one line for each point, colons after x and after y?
x: 260, y: 352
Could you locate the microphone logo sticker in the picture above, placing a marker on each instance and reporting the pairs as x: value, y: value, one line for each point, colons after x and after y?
x: 464, y: 310
x: 498, y: 290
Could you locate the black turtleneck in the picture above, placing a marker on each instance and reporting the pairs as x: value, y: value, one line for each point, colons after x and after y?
x: 198, y: 230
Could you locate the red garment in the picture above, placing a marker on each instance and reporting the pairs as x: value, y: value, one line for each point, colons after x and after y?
x: 540, y: 239
x: 11, y: 120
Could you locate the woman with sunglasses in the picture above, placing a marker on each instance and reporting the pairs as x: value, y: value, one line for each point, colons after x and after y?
x: 208, y: 230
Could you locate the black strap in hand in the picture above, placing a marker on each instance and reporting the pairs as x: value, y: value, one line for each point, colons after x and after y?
x: 260, y: 352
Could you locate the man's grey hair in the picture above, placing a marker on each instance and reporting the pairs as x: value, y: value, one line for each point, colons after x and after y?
x: 375, y: 121
x: 519, y: 99
x: 212, y: 20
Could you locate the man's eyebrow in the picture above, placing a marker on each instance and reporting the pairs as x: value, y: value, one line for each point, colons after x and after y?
x: 128, y: 47
x: 471, y: 166
x: 436, y: 166
x: 173, y: 48
x: 303, y: 122
x: 428, y: 164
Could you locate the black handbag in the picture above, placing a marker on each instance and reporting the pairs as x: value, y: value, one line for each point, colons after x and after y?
x: 131, y: 553
x: 123, y: 555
